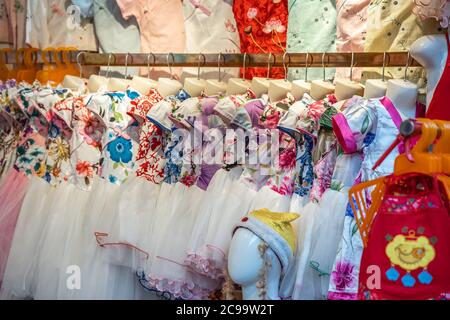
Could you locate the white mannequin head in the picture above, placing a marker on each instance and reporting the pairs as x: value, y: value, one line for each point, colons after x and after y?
x: 245, y: 264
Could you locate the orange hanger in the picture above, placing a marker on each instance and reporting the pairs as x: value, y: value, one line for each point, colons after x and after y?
x: 3, y: 68
x: 46, y: 74
x: 60, y: 69
x: 442, y: 147
x: 70, y: 68
x: 14, y: 72
x: 28, y: 74
x: 422, y: 160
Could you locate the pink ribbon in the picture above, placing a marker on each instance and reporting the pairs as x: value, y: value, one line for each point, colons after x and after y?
x: 198, y: 5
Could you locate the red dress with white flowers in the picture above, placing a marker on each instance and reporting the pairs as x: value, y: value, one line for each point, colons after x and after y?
x: 262, y: 26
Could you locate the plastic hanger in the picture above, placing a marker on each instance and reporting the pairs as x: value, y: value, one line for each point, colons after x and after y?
x: 240, y: 85
x: 419, y: 159
x: 216, y: 87
x: 143, y: 85
x: 60, y: 70
x: 279, y: 88
x: 320, y: 88
x: 43, y: 76
x: 12, y: 74
x: 117, y: 84
x: 3, y: 67
x: 195, y: 86
x: 300, y: 87
x: 259, y: 85
x: 28, y: 74
x: 169, y: 86
x: 345, y: 89
x: 97, y: 82
x: 442, y: 147
x: 376, y: 88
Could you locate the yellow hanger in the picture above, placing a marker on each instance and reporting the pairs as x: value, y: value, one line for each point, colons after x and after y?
x: 423, y: 161
x: 3, y: 68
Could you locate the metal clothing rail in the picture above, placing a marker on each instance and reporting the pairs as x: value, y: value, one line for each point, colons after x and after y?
x: 310, y: 60
x: 322, y: 59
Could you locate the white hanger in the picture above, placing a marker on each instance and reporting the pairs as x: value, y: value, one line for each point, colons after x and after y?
x: 97, y: 82
x: 169, y: 86
x: 376, y: 88
x: 195, y: 86
x: 260, y: 85
x: 143, y: 85
x: 215, y: 87
x: 320, y: 88
x: 75, y: 83
x: 403, y: 94
x: 279, y: 88
x: 117, y: 84
x: 238, y: 85
x: 300, y: 87
x: 345, y: 89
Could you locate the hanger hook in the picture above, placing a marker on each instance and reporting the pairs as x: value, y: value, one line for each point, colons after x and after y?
x: 126, y: 65
x: 108, y: 68
x: 219, y: 56
x: 351, y: 66
x: 407, y: 66
x: 148, y: 63
x: 323, y: 65
x: 198, y: 66
x: 244, y: 65
x: 269, y: 64
x: 80, y: 65
x: 384, y: 67
x: 285, y: 66
x: 168, y: 63
x: 306, y: 66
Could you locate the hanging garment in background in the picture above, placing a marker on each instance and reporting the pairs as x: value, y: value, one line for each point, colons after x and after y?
x: 17, y: 11
x: 351, y: 29
x: 210, y: 28
x: 311, y: 28
x: 262, y: 29
x: 58, y: 23
x: 5, y: 31
x: 161, y: 25
x: 391, y: 26
x: 114, y: 33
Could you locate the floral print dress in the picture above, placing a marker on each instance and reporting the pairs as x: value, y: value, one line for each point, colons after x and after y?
x: 149, y: 160
x: 368, y: 128
x: 120, y: 141
x: 262, y: 29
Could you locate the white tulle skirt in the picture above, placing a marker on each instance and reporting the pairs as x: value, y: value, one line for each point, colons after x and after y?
x: 60, y: 242
x: 20, y: 276
x: 306, y: 238
x: 167, y: 272
x: 209, y: 215
x: 272, y: 200
x: 212, y: 255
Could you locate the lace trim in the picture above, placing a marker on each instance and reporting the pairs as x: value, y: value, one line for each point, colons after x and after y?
x: 173, y: 289
x: 204, y: 266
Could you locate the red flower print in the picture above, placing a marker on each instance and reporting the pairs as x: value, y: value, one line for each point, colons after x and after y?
x: 84, y: 168
x: 287, y: 159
